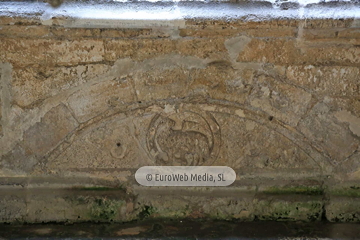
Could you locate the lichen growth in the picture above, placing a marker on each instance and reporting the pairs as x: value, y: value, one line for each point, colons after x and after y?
x: 104, y: 209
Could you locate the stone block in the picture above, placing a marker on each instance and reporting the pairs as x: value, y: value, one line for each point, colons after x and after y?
x: 310, y: 34
x: 337, y: 81
x: 161, y: 84
x: 137, y: 49
x: 95, y: 99
x: 280, y: 32
x: 25, y: 52
x: 32, y: 85
x: 329, y: 23
x: 50, y: 131
x: 277, y: 51
x: 349, y: 33
x: 20, y: 31
x: 202, y: 48
x: 76, y: 33
x: 285, y: 102
x: 288, y: 208
x: 330, y: 137
x: 286, y: 52
x: 19, y: 160
x: 340, y: 209
x: 13, y: 207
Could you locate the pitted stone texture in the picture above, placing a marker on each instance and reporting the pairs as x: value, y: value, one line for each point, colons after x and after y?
x: 137, y: 49
x: 76, y: 33
x: 329, y: 81
x: 25, y: 52
x: 277, y: 51
x: 161, y: 83
x: 282, y: 101
x: 289, y: 51
x: 141, y: 49
x: 32, y: 85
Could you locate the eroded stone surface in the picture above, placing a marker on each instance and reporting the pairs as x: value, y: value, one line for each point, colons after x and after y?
x: 53, y: 128
x: 275, y: 100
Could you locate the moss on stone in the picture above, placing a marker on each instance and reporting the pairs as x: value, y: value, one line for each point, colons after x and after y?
x: 147, y: 211
x: 346, y: 192
x: 314, y: 190
x: 104, y: 209
x: 289, y: 211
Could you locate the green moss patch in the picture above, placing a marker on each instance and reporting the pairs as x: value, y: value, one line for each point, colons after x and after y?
x: 346, y: 192
x: 146, y: 212
x: 104, y: 209
x: 314, y: 191
x: 289, y: 211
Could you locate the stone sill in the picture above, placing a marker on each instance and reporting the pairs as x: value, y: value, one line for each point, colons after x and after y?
x: 172, y: 14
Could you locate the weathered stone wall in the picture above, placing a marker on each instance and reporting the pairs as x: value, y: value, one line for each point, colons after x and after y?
x: 83, y: 108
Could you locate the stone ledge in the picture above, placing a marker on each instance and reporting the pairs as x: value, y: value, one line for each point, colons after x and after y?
x: 167, y: 14
x: 185, y: 229
x: 82, y: 203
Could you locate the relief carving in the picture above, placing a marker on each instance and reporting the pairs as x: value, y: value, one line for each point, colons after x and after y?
x: 183, y: 139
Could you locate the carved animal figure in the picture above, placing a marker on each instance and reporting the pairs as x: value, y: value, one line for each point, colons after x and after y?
x: 187, y: 148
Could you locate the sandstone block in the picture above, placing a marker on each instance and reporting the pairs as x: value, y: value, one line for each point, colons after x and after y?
x: 202, y: 48
x: 76, y: 33
x: 137, y: 49
x: 24, y: 52
x: 326, y: 80
x: 331, y: 138
x: 32, y: 85
x: 329, y: 23
x: 98, y: 97
x: 271, y: 32
x: 20, y: 31
x: 280, y: 51
x: 208, y: 32
x: 319, y: 33
x: 161, y: 84
x: 282, y: 101
x: 340, y: 209
x: 349, y: 33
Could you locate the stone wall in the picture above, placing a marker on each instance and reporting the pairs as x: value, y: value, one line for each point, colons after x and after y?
x: 83, y: 108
